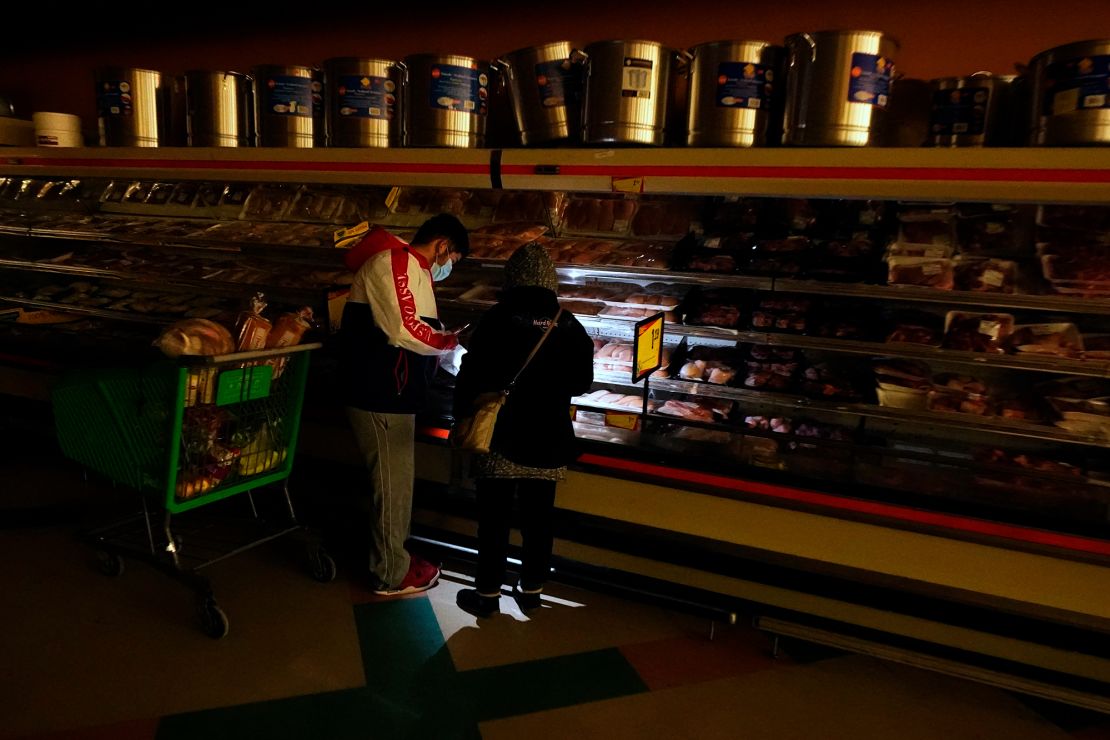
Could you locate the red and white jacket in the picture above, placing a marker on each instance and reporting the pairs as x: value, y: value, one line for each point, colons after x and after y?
x: 396, y: 283
x: 388, y: 345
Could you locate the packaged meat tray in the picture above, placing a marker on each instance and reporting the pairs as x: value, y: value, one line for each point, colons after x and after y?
x: 583, y: 308
x: 1086, y: 217
x: 701, y: 409
x: 978, y: 332
x: 670, y: 218
x: 1096, y: 346
x: 985, y: 275
x: 530, y: 206
x: 916, y: 328
x: 721, y: 308
x: 616, y: 401
x: 268, y: 203
x: 1088, y: 266
x: 1062, y: 339
x: 932, y: 251
x: 923, y: 272
x: 893, y: 373
x: 996, y: 231
x: 789, y: 257
x: 584, y: 215
x: 960, y: 394
x: 716, y: 365
x: 781, y: 314
x: 706, y: 261
x: 927, y: 226
x: 315, y: 204
x: 825, y: 382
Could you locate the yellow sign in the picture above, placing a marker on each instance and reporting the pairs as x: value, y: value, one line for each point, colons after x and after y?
x: 648, y: 349
x: 391, y: 199
x: 628, y: 184
x: 347, y: 237
x: 621, y: 421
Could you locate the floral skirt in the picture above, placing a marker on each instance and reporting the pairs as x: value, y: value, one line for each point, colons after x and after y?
x: 494, y: 465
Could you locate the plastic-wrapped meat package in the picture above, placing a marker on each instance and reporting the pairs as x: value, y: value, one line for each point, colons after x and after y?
x: 825, y: 382
x: 268, y: 203
x: 702, y: 409
x: 836, y: 320
x: 985, y: 275
x: 927, y: 225
x: 1089, y: 218
x: 411, y: 200
x: 712, y: 262
x: 961, y: 394
x: 991, y: 230
x: 1062, y: 339
x: 720, y: 308
x: 598, y: 215
x: 664, y: 218
x: 977, y: 332
x: 916, y: 328
x: 484, y: 203
x: 924, y: 272
x: 521, y: 232
x: 447, y: 200
x: 902, y: 374
x: 781, y: 314
x: 315, y: 204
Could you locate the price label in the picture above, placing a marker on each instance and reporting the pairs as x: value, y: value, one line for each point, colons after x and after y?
x: 627, y: 184
x: 346, y: 237
x: 621, y: 421
x: 648, y: 347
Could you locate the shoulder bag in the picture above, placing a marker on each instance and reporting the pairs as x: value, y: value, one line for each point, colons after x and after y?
x: 474, y: 433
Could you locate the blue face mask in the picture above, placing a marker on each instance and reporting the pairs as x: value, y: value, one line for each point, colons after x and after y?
x: 440, y: 272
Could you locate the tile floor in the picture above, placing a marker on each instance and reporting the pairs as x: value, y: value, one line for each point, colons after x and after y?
x: 86, y: 656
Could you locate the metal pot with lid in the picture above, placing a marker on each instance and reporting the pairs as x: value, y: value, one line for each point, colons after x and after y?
x: 1071, y: 95
x: 364, y: 102
x: 545, y: 86
x: 976, y: 110
x: 736, y: 94
x: 138, y: 107
x: 447, y: 100
x: 220, y: 109
x: 838, y: 87
x: 284, y: 105
x: 627, y: 90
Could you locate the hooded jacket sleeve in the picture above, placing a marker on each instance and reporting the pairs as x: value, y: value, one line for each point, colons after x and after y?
x: 387, y: 282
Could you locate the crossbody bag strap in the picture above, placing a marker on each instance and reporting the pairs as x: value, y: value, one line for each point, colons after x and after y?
x: 535, y: 349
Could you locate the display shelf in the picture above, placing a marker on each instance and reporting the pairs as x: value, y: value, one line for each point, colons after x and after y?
x: 1057, y: 303
x: 802, y: 405
x: 85, y: 311
x: 1025, y: 175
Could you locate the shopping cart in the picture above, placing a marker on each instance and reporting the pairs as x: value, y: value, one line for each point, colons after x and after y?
x: 186, y: 434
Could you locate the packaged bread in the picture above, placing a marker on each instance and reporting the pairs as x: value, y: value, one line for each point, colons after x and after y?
x: 289, y: 329
x: 195, y: 337
x: 252, y: 329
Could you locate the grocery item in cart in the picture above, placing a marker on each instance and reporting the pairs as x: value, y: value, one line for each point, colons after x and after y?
x: 290, y: 328
x: 195, y: 337
x: 252, y: 328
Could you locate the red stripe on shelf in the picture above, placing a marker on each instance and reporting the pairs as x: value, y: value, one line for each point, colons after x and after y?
x: 949, y: 521
x: 741, y: 172
x: 157, y: 164
x: 435, y: 432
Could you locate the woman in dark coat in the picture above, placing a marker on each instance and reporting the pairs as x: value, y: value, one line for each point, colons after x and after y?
x: 534, y: 439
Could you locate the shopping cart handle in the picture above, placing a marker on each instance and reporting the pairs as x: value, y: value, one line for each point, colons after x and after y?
x: 260, y: 354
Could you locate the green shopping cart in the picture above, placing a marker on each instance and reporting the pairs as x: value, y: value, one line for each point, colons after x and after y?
x: 186, y: 434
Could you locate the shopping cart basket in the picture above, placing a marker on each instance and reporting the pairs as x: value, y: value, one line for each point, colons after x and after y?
x: 186, y: 434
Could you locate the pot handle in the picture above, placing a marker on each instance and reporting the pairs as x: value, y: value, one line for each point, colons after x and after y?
x: 682, y: 59
x: 404, y: 70
x: 577, y: 56
x: 809, y: 40
x: 503, y: 69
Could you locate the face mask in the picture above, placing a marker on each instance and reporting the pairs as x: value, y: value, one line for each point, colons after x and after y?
x: 440, y: 272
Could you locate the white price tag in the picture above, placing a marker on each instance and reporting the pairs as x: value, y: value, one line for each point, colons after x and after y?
x: 990, y: 328
x: 993, y: 278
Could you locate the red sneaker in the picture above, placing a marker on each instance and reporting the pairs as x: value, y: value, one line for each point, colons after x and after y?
x: 422, y: 575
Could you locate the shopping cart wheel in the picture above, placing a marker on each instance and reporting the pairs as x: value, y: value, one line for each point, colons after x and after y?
x: 322, y: 565
x: 110, y: 564
x: 213, y: 621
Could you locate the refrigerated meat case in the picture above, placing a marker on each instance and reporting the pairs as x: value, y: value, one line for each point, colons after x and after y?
x: 772, y: 271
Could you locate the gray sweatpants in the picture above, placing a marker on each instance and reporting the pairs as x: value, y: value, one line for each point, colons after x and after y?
x: 386, y: 442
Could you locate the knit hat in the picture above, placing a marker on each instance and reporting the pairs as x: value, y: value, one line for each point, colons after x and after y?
x: 530, y: 265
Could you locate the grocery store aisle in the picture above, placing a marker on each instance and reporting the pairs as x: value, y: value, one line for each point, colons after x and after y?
x: 86, y: 657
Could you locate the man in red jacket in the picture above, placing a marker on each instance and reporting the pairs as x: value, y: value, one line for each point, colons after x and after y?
x: 390, y: 341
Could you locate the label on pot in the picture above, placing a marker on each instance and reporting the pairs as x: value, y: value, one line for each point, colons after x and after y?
x: 458, y: 88
x: 962, y: 111
x: 559, y: 82
x: 744, y: 85
x: 366, y: 97
x: 1077, y: 84
x: 288, y: 96
x: 114, y: 98
x: 636, y: 78
x: 869, y: 80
